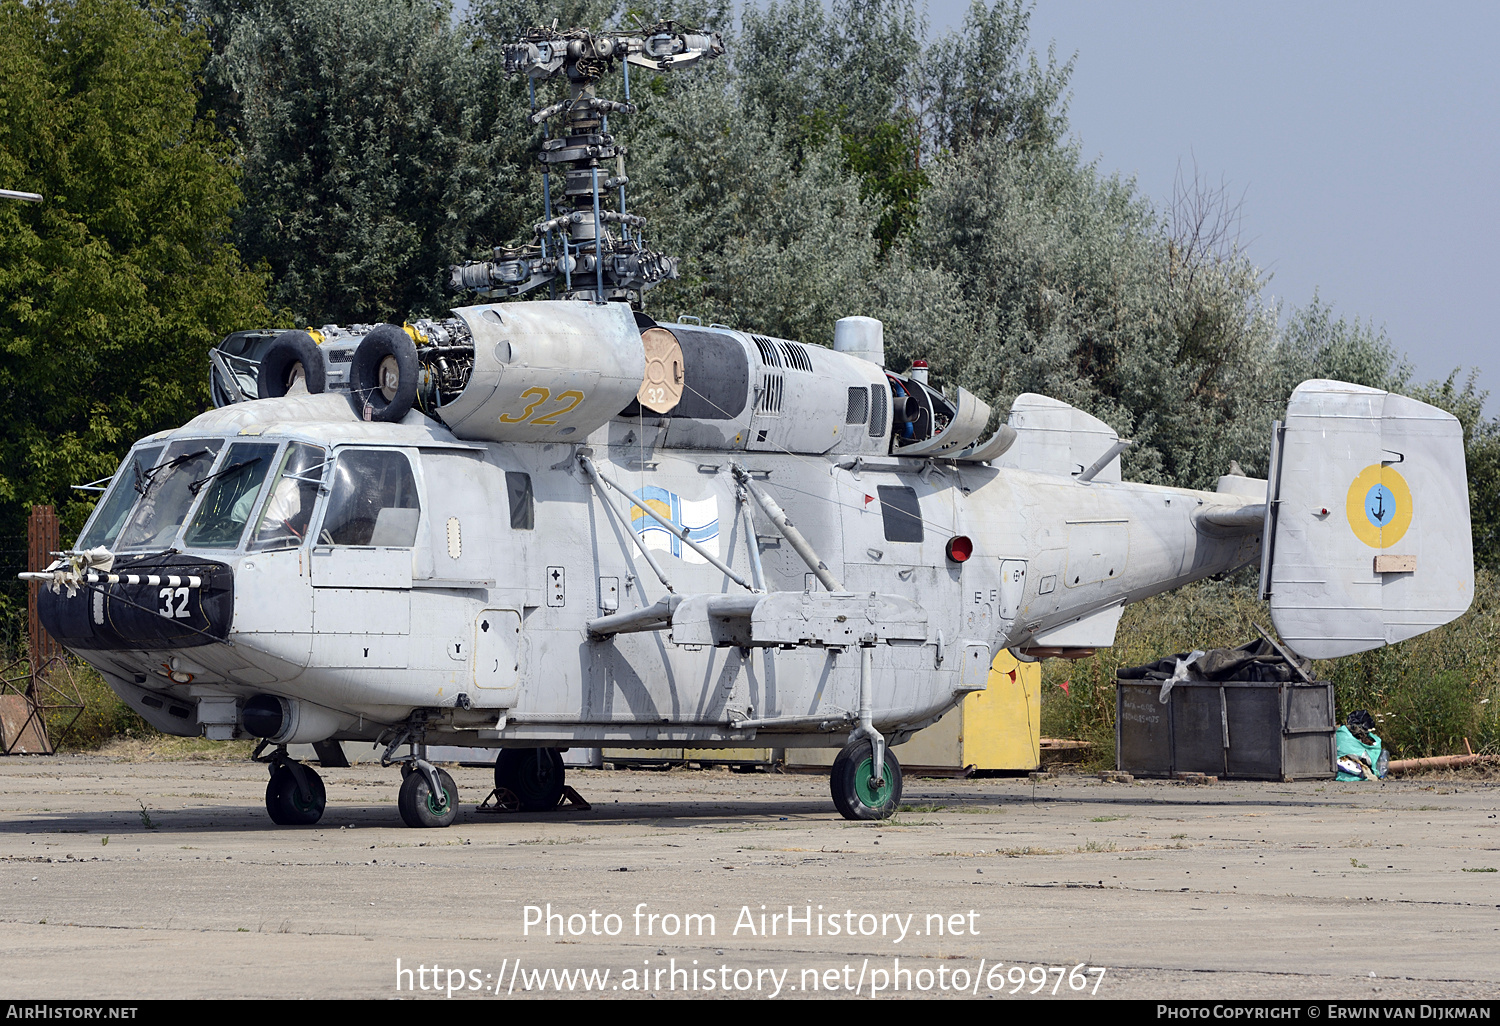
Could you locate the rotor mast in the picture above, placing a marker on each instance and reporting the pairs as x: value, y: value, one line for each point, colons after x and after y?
x: 586, y: 248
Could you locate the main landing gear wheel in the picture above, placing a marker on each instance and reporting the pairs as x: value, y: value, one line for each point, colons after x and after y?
x: 420, y: 807
x: 534, y: 775
x: 287, y: 805
x: 855, y: 794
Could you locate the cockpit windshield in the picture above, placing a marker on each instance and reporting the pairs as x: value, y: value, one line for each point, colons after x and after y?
x: 121, y: 498
x: 165, y: 494
x: 229, y: 495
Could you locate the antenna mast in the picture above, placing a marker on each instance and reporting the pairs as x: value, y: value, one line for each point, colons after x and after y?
x: 584, y: 249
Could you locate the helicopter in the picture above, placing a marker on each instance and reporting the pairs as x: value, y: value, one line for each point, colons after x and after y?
x: 557, y: 522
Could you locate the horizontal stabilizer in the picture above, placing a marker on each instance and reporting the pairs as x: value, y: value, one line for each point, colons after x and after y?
x: 1369, y: 540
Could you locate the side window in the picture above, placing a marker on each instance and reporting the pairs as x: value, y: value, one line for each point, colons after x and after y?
x: 522, y: 507
x: 901, y: 513
x: 230, y: 496
x: 283, y: 524
x: 372, y: 500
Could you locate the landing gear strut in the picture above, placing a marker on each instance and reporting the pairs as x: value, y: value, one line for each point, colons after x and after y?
x: 428, y: 795
x: 866, y: 778
x: 295, y: 795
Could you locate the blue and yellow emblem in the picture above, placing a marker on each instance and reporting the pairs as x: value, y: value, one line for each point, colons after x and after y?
x: 699, y: 518
x: 1379, y: 506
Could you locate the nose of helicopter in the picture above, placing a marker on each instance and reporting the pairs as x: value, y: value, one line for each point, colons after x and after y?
x: 160, y: 601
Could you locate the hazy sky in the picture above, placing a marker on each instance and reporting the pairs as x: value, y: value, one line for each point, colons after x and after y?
x: 1363, y: 137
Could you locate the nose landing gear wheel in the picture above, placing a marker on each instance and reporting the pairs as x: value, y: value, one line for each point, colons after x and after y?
x: 419, y: 806
x: 534, y: 775
x: 287, y: 805
x: 855, y: 794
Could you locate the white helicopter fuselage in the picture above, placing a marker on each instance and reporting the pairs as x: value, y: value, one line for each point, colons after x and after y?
x: 482, y: 615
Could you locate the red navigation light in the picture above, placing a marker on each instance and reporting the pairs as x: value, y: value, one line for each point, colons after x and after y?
x: 960, y: 548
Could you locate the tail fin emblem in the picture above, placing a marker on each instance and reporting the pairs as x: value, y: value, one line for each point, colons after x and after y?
x: 1379, y: 506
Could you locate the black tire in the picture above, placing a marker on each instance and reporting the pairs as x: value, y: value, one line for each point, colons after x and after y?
x: 850, y: 782
x: 534, y: 775
x: 286, y: 805
x: 383, y: 373
x: 416, y: 801
x: 291, y: 350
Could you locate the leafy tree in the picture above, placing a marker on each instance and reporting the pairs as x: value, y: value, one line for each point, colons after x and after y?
x: 1483, y: 452
x: 112, y: 289
x: 380, y: 141
x: 1033, y: 273
x: 983, y: 81
x: 769, y: 241
x: 811, y: 76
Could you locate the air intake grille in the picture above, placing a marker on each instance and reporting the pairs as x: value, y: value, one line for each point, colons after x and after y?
x: 796, y: 357
x: 877, y: 410
x: 770, y: 355
x: 770, y: 395
x: 859, y: 406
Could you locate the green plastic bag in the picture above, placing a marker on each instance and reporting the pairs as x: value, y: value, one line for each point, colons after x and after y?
x: 1368, y: 757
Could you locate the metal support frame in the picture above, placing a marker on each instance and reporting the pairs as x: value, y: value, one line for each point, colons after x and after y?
x: 619, y: 518
x: 680, y: 533
x: 790, y: 533
x: 414, y: 732
x: 1121, y: 444
x: 866, y: 726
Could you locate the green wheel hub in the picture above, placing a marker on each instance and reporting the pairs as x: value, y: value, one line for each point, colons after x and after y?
x: 872, y: 797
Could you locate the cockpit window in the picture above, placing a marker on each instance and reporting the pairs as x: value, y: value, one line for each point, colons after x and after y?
x: 122, y: 495
x: 372, y: 500
x: 229, y: 495
x: 283, y: 525
x: 166, y: 494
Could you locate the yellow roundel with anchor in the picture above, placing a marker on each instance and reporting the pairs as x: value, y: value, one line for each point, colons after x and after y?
x: 1379, y: 506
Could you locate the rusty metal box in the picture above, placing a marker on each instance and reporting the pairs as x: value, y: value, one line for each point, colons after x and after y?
x: 1249, y: 730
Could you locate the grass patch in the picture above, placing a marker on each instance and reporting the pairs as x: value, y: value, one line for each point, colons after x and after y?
x: 1485, y: 869
x: 1107, y: 819
x: 105, y: 715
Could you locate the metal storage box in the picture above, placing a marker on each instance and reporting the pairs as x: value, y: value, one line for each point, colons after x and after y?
x: 1249, y: 730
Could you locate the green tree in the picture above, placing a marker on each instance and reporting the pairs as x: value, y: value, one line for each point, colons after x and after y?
x: 983, y: 80
x: 381, y: 142
x: 112, y: 289
x: 1031, y: 272
x: 852, y: 74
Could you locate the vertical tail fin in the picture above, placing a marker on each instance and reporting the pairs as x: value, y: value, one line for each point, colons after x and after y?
x: 1367, y: 538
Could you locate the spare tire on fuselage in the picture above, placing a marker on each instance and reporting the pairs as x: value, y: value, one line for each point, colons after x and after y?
x: 292, y: 351
x: 383, y: 374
